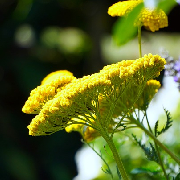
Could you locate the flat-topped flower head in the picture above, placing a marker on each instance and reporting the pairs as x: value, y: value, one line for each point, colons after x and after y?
x: 50, y: 78
x: 126, y: 69
x: 89, y: 99
x: 122, y: 8
x: 81, y: 91
x: 129, y: 81
x: 153, y: 19
x: 72, y: 102
x: 49, y: 87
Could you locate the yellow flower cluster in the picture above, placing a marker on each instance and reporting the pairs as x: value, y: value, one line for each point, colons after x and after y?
x: 52, y: 77
x: 123, y: 8
x: 152, y: 19
x: 151, y: 88
x: 49, y: 87
x: 86, y: 131
x: 89, y: 133
x: 133, y: 75
x: 76, y: 126
x: 71, y: 102
x: 88, y: 100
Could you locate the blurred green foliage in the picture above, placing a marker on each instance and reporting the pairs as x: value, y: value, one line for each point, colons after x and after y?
x: 134, y: 158
x: 167, y: 5
x: 124, y: 29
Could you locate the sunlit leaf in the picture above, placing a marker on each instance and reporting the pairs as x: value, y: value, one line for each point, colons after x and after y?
x: 167, y: 5
x: 124, y: 28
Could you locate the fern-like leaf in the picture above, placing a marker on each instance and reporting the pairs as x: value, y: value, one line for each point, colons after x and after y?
x: 156, y: 129
x: 167, y: 126
x: 150, y: 152
x: 107, y: 170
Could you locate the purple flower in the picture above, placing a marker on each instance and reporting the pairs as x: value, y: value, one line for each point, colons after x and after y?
x: 177, y: 77
x: 177, y: 71
x: 177, y: 65
x: 172, y: 67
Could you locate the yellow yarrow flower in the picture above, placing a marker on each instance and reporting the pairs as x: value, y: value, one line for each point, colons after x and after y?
x: 88, y: 133
x: 151, y: 88
x: 77, y: 124
x: 49, y: 87
x: 92, y: 97
x: 123, y: 8
x: 73, y: 101
x: 75, y: 127
x: 50, y: 78
x: 130, y: 81
x: 152, y: 19
x: 81, y: 91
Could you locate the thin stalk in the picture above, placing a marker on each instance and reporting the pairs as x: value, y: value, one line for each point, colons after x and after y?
x: 173, y: 156
x: 139, y: 41
x: 157, y: 149
x: 115, y: 153
x: 160, y: 161
x: 137, y: 97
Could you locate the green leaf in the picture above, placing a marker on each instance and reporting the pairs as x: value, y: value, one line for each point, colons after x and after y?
x: 150, y: 152
x: 124, y: 28
x: 156, y: 128
x: 108, y: 170
x: 168, y: 123
x: 167, y: 5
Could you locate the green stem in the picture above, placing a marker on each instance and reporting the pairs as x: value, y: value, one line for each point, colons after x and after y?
x: 139, y: 41
x: 160, y: 161
x: 116, y: 156
x: 157, y: 149
x: 173, y: 156
x: 136, y: 99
